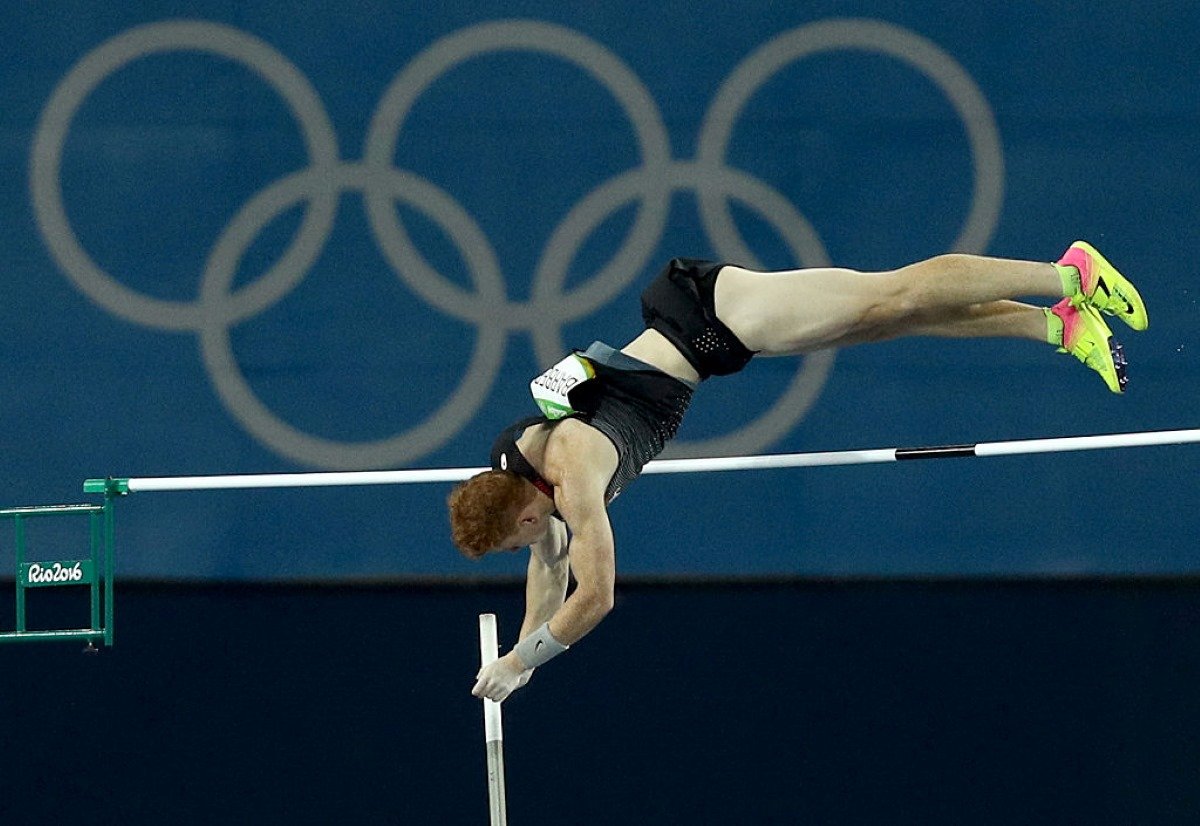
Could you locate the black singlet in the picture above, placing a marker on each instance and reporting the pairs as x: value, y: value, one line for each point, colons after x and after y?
x: 636, y: 406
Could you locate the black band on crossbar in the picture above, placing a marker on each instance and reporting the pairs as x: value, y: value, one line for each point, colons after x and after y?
x: 942, y: 452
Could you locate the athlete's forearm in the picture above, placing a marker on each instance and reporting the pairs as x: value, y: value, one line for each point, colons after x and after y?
x: 545, y: 591
x: 581, y: 612
x: 592, y: 558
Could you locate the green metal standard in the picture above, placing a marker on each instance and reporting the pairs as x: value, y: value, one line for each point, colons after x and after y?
x: 95, y: 572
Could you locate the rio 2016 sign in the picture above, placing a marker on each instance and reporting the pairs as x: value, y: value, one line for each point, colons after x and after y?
x: 64, y: 572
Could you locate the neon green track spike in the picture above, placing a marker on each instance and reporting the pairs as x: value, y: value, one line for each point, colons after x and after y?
x: 1102, y: 287
x: 1087, y: 338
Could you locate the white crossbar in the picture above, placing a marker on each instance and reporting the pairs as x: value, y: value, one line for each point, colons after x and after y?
x: 781, y: 460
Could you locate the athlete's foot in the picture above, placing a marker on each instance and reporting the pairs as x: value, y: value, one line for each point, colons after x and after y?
x: 1080, y: 331
x: 1102, y: 287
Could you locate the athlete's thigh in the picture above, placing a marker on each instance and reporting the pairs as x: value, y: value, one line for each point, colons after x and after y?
x: 795, y: 311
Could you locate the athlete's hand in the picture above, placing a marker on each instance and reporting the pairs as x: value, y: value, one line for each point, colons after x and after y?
x: 501, y: 678
x: 524, y: 678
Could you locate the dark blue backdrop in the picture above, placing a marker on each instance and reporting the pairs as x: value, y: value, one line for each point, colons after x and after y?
x: 164, y: 157
x: 830, y: 703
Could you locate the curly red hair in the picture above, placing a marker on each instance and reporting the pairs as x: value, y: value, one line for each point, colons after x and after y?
x: 483, y: 510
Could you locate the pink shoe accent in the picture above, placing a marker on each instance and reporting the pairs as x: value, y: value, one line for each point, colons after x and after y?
x: 1072, y: 323
x: 1080, y: 260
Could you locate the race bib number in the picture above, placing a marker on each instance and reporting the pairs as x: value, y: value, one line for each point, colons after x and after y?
x: 552, y: 389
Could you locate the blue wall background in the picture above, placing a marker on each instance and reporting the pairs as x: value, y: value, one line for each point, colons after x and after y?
x: 200, y: 212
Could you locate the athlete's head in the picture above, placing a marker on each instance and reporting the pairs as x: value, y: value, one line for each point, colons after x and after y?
x: 495, y: 511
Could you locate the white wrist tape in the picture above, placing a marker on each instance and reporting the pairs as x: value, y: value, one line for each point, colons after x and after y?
x: 539, y: 647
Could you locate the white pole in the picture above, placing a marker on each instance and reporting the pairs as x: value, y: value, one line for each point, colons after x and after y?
x: 779, y: 460
x: 493, y: 731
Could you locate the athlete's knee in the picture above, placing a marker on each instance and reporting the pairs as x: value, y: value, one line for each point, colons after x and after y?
x: 901, y: 297
x: 897, y: 296
x: 916, y: 284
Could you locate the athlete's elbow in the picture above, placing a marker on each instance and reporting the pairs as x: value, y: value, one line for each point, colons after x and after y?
x: 598, y: 602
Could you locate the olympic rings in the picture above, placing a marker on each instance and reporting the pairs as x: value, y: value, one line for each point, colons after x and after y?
x: 650, y: 186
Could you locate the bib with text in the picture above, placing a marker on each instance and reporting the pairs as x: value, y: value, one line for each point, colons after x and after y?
x: 552, y: 389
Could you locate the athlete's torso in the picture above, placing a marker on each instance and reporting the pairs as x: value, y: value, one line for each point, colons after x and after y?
x: 633, y: 402
x: 653, y: 348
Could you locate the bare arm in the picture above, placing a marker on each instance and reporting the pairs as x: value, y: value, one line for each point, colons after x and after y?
x: 579, y: 462
x: 583, y: 461
x: 545, y: 592
x: 593, y: 559
x: 546, y: 579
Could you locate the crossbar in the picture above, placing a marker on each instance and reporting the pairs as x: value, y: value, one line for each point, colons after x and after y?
x: 728, y: 463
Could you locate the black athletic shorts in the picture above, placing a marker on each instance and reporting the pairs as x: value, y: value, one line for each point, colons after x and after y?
x: 679, y: 304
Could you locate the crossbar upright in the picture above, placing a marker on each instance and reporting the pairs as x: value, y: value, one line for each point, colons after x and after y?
x: 95, y: 572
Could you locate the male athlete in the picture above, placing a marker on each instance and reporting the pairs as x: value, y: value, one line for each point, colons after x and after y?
x: 608, y: 412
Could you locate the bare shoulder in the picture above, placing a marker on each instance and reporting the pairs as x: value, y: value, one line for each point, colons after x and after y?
x: 582, y: 461
x: 579, y: 458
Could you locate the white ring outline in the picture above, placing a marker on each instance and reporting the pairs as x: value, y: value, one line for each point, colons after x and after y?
x: 217, y: 352
x: 491, y: 305
x: 871, y: 36
x: 50, y: 138
x: 540, y: 38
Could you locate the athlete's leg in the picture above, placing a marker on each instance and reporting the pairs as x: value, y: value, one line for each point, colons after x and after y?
x: 797, y: 311
x: 993, y: 319
x: 1079, y: 331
